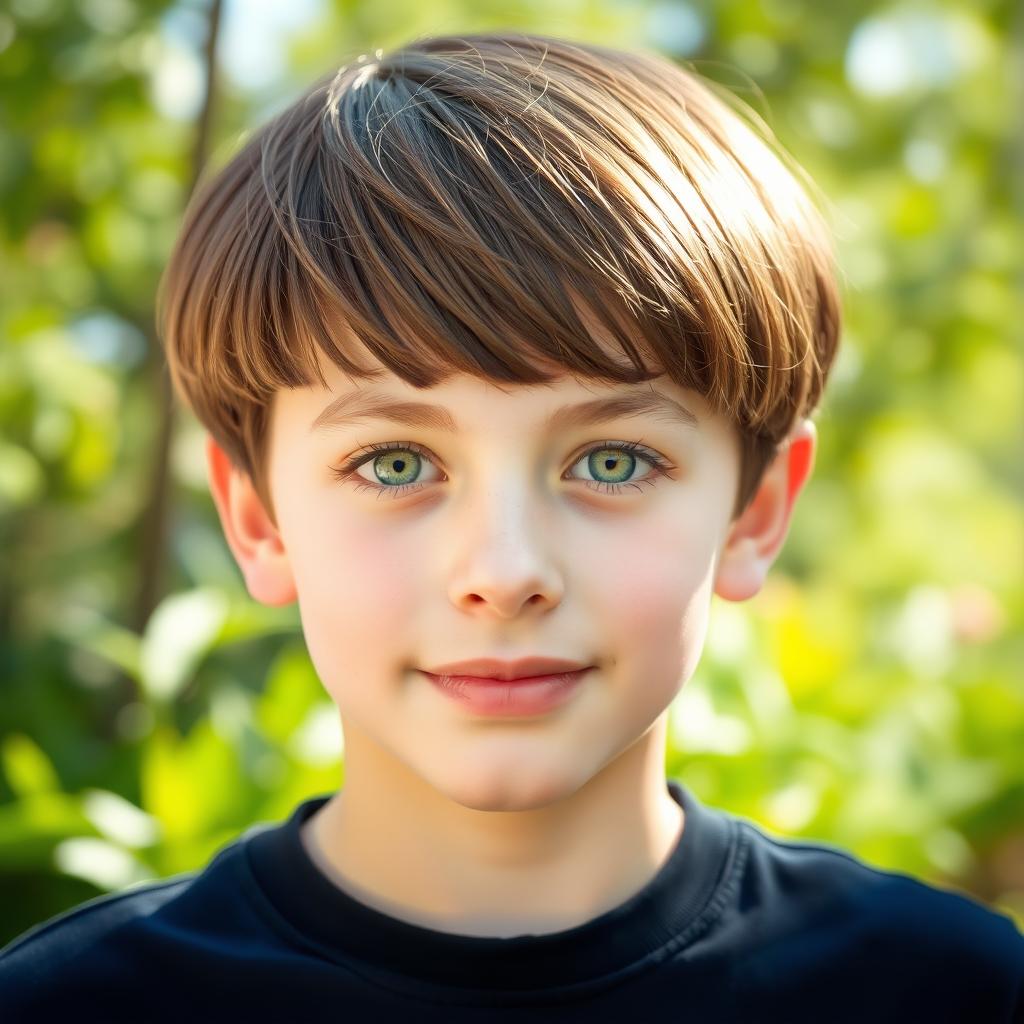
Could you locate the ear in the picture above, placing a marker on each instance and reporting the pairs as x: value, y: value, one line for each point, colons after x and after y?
x: 757, y: 535
x: 249, y: 531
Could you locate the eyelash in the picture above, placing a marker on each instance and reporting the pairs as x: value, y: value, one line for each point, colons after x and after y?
x: 346, y: 471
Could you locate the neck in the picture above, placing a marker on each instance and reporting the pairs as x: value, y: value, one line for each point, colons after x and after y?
x: 395, y: 843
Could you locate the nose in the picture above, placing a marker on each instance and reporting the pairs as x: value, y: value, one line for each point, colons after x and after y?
x: 504, y: 555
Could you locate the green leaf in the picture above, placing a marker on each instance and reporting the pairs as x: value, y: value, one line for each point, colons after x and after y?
x: 180, y: 633
x: 27, y: 767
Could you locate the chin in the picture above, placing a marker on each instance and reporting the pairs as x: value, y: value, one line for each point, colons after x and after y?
x: 528, y: 791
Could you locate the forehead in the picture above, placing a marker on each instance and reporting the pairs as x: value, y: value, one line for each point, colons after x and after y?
x: 463, y: 402
x: 549, y: 402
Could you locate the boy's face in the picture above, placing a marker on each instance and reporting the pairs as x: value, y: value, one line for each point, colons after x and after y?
x: 508, y: 543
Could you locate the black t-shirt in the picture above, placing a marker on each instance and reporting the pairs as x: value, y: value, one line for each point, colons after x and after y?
x: 736, y: 926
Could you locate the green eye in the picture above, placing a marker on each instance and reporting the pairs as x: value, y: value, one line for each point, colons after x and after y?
x: 611, y: 461
x: 397, y: 464
x: 395, y: 468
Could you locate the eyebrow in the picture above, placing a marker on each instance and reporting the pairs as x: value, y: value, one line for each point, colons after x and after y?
x: 371, y: 404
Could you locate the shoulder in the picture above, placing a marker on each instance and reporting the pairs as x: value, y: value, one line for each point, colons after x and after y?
x: 75, y: 946
x: 104, y: 951
x: 813, y: 891
x: 827, y: 877
x: 90, y: 920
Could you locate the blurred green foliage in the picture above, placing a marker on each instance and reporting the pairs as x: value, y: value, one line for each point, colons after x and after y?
x: 870, y: 696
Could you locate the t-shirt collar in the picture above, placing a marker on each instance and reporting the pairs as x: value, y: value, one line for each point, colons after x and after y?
x: 671, y: 909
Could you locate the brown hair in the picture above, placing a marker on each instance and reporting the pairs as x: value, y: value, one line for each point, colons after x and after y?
x: 454, y: 203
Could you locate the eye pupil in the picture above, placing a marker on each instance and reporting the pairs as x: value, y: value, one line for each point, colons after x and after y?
x: 393, y: 467
x: 621, y: 465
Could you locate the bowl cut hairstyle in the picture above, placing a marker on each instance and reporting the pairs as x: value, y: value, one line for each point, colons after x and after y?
x: 464, y: 203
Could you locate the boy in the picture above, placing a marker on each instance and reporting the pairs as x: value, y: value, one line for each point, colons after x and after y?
x: 506, y: 348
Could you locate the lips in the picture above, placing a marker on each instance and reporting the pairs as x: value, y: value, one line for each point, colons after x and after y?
x: 518, y: 669
x: 524, y: 697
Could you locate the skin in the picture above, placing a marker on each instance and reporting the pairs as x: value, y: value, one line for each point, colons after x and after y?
x: 486, y: 826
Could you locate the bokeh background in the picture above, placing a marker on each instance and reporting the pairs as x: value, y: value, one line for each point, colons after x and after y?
x: 870, y: 696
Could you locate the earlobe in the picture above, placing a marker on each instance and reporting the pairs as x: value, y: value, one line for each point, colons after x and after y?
x: 756, y: 537
x: 251, y: 535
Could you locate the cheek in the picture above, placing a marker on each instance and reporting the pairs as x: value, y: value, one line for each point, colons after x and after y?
x: 656, y: 601
x: 356, y: 587
x: 347, y: 564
